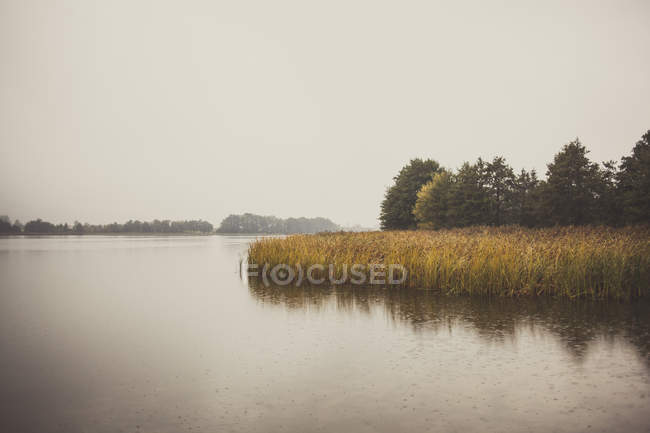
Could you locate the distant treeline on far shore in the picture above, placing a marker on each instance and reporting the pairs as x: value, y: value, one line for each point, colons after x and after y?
x: 251, y: 223
x: 246, y: 223
x: 39, y: 226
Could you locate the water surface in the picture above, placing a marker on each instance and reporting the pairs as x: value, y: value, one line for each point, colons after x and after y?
x: 160, y: 334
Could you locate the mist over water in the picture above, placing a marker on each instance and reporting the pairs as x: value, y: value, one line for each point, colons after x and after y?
x: 160, y: 334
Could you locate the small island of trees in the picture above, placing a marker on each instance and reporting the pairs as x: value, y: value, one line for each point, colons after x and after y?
x: 251, y: 223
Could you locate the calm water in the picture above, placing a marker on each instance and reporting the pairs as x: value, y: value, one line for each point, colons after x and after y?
x: 160, y: 334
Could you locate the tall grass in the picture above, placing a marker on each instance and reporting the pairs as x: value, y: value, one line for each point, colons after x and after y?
x: 574, y: 262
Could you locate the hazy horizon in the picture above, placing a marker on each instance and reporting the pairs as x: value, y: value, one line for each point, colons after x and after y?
x: 111, y: 111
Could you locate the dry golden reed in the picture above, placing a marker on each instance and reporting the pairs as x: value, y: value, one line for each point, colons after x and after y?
x: 574, y: 262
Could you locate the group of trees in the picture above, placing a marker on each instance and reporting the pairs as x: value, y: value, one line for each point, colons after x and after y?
x: 7, y: 228
x: 155, y: 226
x: 576, y: 191
x: 246, y: 223
x: 251, y: 223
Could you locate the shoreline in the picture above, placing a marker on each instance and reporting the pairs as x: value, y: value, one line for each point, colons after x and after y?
x: 570, y: 262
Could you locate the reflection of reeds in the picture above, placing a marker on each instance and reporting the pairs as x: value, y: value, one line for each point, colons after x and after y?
x: 597, y: 262
x: 575, y: 324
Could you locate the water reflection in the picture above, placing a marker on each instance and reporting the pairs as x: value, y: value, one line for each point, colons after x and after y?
x: 161, y: 335
x: 575, y: 324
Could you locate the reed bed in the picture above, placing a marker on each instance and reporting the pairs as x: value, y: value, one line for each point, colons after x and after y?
x: 573, y: 262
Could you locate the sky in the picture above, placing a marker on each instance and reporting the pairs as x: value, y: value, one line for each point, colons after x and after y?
x: 118, y: 110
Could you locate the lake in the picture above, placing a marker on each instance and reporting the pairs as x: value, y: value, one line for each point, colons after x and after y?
x: 162, y: 334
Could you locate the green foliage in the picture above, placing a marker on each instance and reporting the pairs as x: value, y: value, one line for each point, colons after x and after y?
x: 251, y: 223
x: 156, y: 226
x: 432, y: 204
x: 634, y: 182
x: 609, y: 200
x: 500, y: 187
x: 469, y: 201
x: 455, y: 200
x: 577, y: 191
x: 572, y: 188
x: 7, y: 228
x: 40, y: 226
x: 525, y: 199
x: 400, y: 198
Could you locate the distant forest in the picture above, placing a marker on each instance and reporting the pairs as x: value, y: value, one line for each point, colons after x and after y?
x: 576, y: 191
x: 250, y: 223
x: 156, y: 226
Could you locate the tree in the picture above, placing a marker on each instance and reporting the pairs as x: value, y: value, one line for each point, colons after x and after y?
x: 525, y: 199
x: 399, y: 201
x: 432, y: 205
x: 250, y: 223
x: 17, y: 227
x: 634, y: 183
x: 5, y: 224
x: 39, y: 226
x: 609, y: 201
x: 468, y: 201
x: 572, y: 187
x: 500, y: 185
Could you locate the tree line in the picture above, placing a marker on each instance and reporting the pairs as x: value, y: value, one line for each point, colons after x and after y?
x: 39, y: 226
x: 251, y: 223
x: 576, y: 191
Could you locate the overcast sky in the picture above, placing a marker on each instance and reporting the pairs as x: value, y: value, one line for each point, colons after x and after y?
x: 115, y: 110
